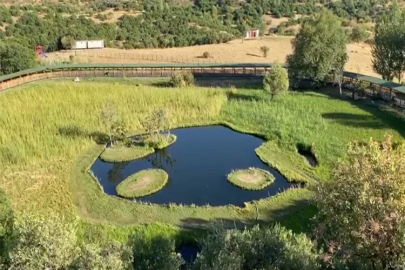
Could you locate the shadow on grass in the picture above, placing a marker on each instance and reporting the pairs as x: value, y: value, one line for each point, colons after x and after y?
x: 380, y: 118
x: 76, y: 132
x: 296, y: 217
x: 355, y: 120
x: 241, y: 96
x: 255, y: 55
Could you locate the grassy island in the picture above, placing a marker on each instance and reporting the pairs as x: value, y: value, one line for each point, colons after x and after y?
x: 251, y: 179
x: 121, y: 153
x: 142, y: 183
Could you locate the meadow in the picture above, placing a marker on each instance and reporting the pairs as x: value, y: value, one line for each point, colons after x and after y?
x: 49, y: 131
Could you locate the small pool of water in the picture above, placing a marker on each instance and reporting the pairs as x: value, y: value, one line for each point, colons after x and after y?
x: 188, y: 253
x: 197, y: 164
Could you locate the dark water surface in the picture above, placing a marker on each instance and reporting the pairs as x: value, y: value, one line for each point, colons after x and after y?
x: 197, y: 164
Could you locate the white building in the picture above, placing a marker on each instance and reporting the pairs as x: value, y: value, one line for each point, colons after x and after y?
x: 88, y: 44
x: 252, y: 33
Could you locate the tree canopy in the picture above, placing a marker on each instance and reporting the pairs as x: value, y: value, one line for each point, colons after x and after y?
x: 318, y: 48
x: 388, y: 49
x: 362, y: 210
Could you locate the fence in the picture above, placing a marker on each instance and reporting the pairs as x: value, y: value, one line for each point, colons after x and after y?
x: 144, y: 57
x: 388, y: 91
x: 133, y: 70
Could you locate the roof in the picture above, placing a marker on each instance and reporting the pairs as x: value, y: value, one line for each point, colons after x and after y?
x: 395, y: 86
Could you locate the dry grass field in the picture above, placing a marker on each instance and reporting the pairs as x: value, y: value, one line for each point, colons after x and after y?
x: 235, y: 51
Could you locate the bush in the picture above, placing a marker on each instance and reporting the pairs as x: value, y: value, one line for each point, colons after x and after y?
x: 68, y: 42
x: 42, y: 243
x: 157, y: 253
x: 6, y: 223
x: 276, y: 81
x: 183, y: 79
x: 206, y: 55
x: 257, y: 248
x: 264, y: 50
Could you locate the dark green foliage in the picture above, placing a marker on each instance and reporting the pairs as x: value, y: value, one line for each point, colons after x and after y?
x: 257, y: 248
x: 157, y: 253
x: 359, y: 33
x: 388, y: 49
x: 318, y: 48
x: 15, y: 57
x: 6, y: 223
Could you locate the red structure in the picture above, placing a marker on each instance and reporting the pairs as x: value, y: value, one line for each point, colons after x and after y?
x: 40, y: 52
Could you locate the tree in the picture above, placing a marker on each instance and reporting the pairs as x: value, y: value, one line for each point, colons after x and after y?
x: 111, y: 256
x: 276, y: 81
x: 257, y: 248
x: 119, y: 130
x: 264, y: 50
x: 42, y: 243
x: 359, y: 34
x: 68, y: 42
x: 362, y: 211
x: 108, y: 117
x: 318, y: 48
x: 388, y: 50
x: 157, y: 122
x: 155, y: 254
x: 15, y: 57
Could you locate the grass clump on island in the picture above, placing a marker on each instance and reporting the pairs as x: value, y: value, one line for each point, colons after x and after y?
x: 251, y: 179
x: 142, y: 183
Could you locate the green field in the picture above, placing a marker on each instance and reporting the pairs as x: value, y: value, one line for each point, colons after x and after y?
x: 49, y: 131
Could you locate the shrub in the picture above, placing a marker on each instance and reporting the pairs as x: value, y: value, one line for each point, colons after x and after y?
x: 42, y: 243
x: 276, y: 81
x: 6, y: 223
x: 183, y: 79
x: 264, y: 50
x: 257, y: 248
x: 157, y: 253
x: 68, y: 42
x: 206, y: 55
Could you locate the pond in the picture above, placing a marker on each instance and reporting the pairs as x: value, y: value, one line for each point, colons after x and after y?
x: 197, y: 165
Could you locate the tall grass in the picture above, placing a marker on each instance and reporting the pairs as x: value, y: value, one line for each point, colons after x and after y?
x: 47, y: 120
x: 45, y: 126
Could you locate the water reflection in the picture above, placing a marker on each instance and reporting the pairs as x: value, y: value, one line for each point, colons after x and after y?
x: 197, y: 164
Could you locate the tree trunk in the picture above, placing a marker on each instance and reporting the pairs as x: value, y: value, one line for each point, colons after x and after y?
x: 340, y: 90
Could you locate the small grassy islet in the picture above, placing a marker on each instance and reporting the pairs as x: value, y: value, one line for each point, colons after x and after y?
x: 122, y: 153
x: 251, y: 179
x: 142, y: 183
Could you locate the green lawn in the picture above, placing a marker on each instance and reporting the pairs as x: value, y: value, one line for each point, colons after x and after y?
x: 49, y: 129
